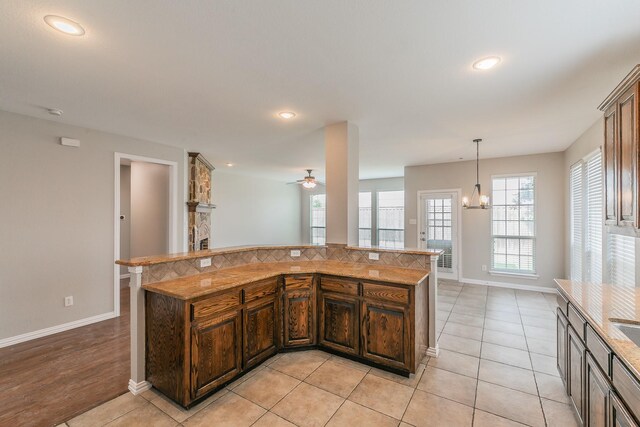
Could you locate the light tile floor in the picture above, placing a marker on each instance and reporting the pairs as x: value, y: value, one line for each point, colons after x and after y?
x: 496, y: 368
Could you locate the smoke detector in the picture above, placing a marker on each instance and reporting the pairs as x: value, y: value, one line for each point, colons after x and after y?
x: 55, y: 112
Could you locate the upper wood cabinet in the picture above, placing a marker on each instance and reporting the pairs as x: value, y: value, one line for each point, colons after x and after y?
x: 621, y: 150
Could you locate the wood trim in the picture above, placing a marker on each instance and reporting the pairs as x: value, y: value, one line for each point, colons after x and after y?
x: 622, y: 87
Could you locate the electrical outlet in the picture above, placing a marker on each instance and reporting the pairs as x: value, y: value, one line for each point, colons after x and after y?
x: 68, y: 301
x: 205, y: 262
x: 484, y: 267
x: 295, y: 253
x: 374, y: 256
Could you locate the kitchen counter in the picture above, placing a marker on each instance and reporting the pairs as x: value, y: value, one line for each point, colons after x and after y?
x: 190, y: 287
x: 601, y: 305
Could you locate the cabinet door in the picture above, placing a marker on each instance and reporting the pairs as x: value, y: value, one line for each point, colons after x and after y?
x: 575, y: 365
x: 386, y: 334
x: 596, y: 413
x: 299, y: 318
x: 628, y: 134
x: 339, y: 323
x: 611, y: 165
x: 562, y: 347
x: 619, y: 414
x: 260, y: 330
x: 216, y: 352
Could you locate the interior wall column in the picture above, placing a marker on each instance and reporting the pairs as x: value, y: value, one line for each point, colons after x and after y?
x: 342, y: 179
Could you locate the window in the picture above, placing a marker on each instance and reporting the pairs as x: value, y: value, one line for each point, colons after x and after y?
x: 622, y: 260
x: 586, y: 195
x: 318, y: 219
x: 513, y: 224
x: 391, y: 219
x: 364, y: 219
x: 439, y: 229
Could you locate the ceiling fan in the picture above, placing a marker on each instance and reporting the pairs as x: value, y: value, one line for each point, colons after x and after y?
x: 308, y: 181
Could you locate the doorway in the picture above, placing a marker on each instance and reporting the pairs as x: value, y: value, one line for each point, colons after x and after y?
x: 439, y: 228
x: 145, y: 212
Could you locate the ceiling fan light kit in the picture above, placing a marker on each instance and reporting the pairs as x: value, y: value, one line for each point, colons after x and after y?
x: 483, y: 199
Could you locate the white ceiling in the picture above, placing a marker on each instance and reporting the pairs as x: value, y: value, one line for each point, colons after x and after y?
x: 210, y: 76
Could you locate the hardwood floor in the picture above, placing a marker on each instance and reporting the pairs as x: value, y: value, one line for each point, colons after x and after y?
x: 49, y: 380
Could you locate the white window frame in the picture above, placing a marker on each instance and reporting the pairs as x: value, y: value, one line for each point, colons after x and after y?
x: 523, y: 274
x: 377, y: 217
x: 311, y: 226
x: 372, y: 228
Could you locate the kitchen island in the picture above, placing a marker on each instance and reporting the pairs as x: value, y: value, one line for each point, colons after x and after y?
x: 204, y: 330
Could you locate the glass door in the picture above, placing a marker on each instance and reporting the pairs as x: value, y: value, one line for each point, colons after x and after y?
x: 439, y: 229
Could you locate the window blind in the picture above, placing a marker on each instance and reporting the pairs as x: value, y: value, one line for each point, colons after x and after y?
x: 622, y: 257
x: 577, y: 247
x: 594, y: 218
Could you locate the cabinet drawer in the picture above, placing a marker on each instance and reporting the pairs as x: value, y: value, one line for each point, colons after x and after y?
x: 599, y: 351
x: 328, y: 284
x: 260, y: 289
x: 298, y: 282
x: 577, y: 321
x: 213, y: 305
x: 387, y: 293
x: 627, y: 386
x: 563, y: 303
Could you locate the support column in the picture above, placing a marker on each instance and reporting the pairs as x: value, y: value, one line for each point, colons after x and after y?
x: 137, y: 382
x: 342, y: 179
x: 433, y: 349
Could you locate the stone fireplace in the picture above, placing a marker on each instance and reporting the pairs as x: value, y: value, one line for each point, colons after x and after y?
x: 199, y: 204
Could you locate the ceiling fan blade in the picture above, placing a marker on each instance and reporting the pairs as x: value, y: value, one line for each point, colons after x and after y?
x: 296, y: 182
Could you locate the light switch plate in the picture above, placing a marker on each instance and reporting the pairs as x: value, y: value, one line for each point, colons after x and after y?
x: 413, y: 221
x: 68, y: 301
x: 374, y: 256
x: 295, y: 253
x: 205, y: 262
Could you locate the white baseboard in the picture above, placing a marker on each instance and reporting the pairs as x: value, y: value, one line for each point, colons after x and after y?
x: 433, y: 351
x: 533, y: 288
x: 137, y: 388
x: 6, y: 342
x: 125, y: 276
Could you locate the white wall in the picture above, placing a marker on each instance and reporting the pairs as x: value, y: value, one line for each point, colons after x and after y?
x: 253, y: 211
x: 57, y: 228
x: 476, y: 227
x: 149, y: 209
x: 125, y: 209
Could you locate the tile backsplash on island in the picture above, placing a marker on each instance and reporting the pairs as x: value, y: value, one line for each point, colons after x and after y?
x: 159, y: 269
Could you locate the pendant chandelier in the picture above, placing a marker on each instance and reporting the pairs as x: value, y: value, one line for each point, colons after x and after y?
x: 483, y: 200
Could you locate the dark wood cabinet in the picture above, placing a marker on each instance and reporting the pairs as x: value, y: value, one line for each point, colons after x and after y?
x: 386, y: 333
x: 562, y: 330
x: 260, y: 332
x: 619, y: 415
x: 621, y: 150
x: 339, y: 322
x: 597, y: 389
x: 610, y: 165
x: 299, y: 311
x: 216, y: 352
x: 575, y: 371
x: 198, y: 345
x: 628, y: 176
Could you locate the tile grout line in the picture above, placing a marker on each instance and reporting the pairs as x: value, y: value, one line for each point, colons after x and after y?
x: 484, y: 321
x: 544, y: 415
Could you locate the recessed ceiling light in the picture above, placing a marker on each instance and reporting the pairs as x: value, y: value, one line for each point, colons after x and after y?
x: 64, y: 25
x: 486, y: 63
x: 230, y: 165
x: 287, y: 115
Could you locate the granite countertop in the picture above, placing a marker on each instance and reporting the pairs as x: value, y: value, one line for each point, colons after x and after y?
x: 601, y: 305
x: 157, y: 259
x: 189, y: 287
